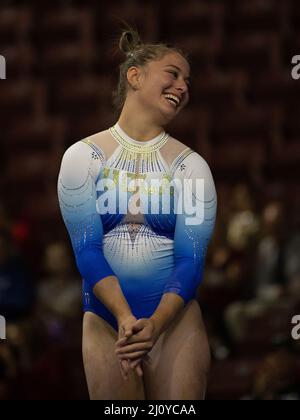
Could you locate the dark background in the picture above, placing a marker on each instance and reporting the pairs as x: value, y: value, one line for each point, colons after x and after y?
x: 62, y: 66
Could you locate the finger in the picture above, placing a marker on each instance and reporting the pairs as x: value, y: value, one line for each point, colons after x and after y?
x: 128, y: 333
x: 125, y: 332
x: 133, y: 338
x: 139, y: 326
x: 132, y: 356
x: 123, y: 372
x: 126, y: 368
x: 124, y: 340
x: 134, y: 334
x: 146, y: 359
x: 136, y: 338
x: 135, y: 363
x: 133, y: 347
x: 127, y: 365
x: 139, y: 371
x: 137, y: 366
x: 121, y: 341
x: 121, y: 335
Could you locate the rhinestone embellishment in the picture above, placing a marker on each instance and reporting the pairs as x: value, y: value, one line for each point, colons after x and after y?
x: 136, y: 148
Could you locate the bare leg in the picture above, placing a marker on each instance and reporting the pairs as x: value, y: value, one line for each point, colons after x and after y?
x: 180, y: 359
x: 101, y: 365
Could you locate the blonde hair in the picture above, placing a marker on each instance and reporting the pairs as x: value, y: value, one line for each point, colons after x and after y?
x: 137, y: 54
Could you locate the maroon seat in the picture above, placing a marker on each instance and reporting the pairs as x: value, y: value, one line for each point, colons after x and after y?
x: 264, y: 332
x: 238, y: 154
x: 118, y: 11
x: 232, y: 379
x: 20, y: 60
x: 38, y: 134
x: 70, y: 25
x: 15, y: 24
x: 87, y: 125
x: 257, y: 16
x: 18, y: 98
x: 214, y: 90
x: 61, y: 61
x: 272, y: 88
x: 251, y: 52
x: 242, y: 124
x: 81, y: 98
x: 196, y: 18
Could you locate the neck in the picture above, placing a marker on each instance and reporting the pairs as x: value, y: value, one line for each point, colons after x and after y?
x: 139, y: 125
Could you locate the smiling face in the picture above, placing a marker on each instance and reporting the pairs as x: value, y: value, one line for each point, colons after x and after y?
x: 162, y: 87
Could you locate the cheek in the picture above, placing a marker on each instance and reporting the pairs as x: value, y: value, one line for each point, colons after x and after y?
x: 159, y: 84
x: 153, y: 91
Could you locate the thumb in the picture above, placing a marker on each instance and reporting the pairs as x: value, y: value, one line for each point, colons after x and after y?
x: 128, y: 333
x: 138, y: 326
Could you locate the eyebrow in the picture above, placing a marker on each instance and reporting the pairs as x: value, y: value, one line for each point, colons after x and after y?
x: 178, y: 68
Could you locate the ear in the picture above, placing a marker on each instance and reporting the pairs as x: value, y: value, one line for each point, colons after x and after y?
x: 134, y: 77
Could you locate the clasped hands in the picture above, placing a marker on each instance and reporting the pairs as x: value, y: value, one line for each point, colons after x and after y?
x: 136, y: 339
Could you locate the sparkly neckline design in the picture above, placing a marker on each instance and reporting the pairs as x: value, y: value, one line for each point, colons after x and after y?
x: 136, y: 146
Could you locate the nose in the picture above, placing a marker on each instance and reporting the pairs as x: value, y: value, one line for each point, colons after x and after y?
x: 182, y: 86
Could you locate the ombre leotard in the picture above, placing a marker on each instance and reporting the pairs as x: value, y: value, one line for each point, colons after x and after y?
x: 124, y: 219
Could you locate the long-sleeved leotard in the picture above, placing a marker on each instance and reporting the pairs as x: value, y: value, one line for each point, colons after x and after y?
x: 138, y: 216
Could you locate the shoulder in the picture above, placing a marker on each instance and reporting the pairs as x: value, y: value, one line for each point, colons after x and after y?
x: 191, y: 165
x: 77, y: 156
x: 172, y: 151
x: 89, y: 148
x: 181, y: 149
x: 80, y: 161
x: 175, y: 148
x: 98, y: 139
x: 102, y: 143
x: 185, y: 158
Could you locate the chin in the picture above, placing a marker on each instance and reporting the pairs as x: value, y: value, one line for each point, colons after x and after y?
x: 169, y: 116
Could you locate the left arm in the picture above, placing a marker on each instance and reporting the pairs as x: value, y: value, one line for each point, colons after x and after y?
x: 170, y: 305
x: 194, y: 228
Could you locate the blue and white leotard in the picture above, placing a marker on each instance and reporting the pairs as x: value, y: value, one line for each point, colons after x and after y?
x: 135, y: 210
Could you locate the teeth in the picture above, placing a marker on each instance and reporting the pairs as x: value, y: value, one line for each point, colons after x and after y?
x: 169, y: 96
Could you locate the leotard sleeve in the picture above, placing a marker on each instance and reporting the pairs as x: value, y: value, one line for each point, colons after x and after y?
x: 192, y: 234
x: 80, y: 168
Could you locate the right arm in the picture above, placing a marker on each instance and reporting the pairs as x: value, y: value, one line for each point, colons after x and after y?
x: 77, y: 198
x: 110, y: 293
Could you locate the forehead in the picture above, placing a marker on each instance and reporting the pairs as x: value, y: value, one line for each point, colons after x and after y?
x: 174, y: 59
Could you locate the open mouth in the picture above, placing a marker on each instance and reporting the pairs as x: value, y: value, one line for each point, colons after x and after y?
x: 173, y: 100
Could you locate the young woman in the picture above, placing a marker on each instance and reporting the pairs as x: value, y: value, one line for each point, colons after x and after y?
x: 140, y: 209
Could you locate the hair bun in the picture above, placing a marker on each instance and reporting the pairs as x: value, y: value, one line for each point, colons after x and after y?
x: 130, y: 41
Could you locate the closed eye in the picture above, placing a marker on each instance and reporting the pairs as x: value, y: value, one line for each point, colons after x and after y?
x: 175, y: 74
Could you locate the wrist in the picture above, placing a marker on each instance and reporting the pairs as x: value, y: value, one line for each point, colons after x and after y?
x: 158, y: 326
x: 123, y: 315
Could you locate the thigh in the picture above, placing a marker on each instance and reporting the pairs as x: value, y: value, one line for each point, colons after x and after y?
x: 101, y: 365
x: 180, y: 359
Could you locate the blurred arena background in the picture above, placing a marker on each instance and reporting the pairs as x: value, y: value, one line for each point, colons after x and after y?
x: 62, y: 66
